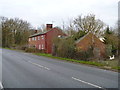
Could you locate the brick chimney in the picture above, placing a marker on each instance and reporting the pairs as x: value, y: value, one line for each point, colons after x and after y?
x: 49, y: 26
x: 35, y: 31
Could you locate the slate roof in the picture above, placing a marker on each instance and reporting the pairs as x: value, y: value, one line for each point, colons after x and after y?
x: 40, y: 33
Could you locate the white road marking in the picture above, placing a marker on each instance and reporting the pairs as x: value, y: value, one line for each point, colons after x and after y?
x: 39, y: 65
x: 47, y: 68
x: 87, y: 83
x: 24, y: 53
x: 1, y: 86
x: 27, y: 53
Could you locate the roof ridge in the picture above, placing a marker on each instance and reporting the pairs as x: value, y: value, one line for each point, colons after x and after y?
x: 40, y: 33
x: 82, y: 37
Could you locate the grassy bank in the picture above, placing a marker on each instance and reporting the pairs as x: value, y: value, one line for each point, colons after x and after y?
x: 111, y: 65
x: 9, y: 48
x: 108, y: 64
x: 67, y: 59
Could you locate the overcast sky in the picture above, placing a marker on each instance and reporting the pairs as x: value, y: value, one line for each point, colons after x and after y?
x: 39, y: 12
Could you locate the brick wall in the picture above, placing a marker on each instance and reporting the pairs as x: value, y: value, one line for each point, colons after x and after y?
x: 91, y: 40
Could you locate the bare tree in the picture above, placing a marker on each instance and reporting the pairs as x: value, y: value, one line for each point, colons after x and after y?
x: 39, y: 30
x: 89, y: 23
x: 70, y: 29
x: 43, y: 27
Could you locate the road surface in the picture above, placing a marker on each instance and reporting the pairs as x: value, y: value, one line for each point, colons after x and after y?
x: 24, y: 70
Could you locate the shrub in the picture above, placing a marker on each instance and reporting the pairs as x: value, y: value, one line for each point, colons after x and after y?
x: 84, y: 55
x: 65, y: 48
x: 33, y: 50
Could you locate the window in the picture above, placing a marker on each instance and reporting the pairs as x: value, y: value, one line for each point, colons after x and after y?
x: 42, y: 37
x: 35, y: 38
x: 42, y: 46
x: 39, y: 46
x: 29, y: 39
x: 38, y: 37
x: 59, y: 36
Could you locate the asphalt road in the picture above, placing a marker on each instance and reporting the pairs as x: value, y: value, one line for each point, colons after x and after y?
x: 24, y: 70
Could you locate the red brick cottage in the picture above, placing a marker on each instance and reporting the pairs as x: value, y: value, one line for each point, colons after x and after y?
x: 43, y: 40
x: 91, y: 40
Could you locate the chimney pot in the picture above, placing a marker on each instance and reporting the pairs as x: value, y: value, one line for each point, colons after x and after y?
x: 35, y: 31
x: 49, y: 26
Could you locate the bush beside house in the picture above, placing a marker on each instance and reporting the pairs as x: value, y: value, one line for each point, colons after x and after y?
x: 82, y: 49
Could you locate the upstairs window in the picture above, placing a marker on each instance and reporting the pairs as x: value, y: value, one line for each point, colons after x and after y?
x: 38, y: 37
x: 39, y: 46
x: 42, y: 37
x: 29, y: 39
x: 35, y: 38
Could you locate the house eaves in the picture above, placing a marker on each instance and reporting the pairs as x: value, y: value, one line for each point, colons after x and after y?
x: 41, y: 33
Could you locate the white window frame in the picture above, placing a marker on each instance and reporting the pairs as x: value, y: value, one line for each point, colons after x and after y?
x: 59, y: 36
x: 42, y: 46
x: 38, y: 37
x: 35, y: 38
x: 29, y: 39
x: 39, y: 46
x: 42, y: 36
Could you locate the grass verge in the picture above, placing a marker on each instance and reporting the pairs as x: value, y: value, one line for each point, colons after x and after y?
x: 102, y: 64
x: 94, y: 63
x: 110, y: 65
x: 9, y: 48
x: 67, y: 59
